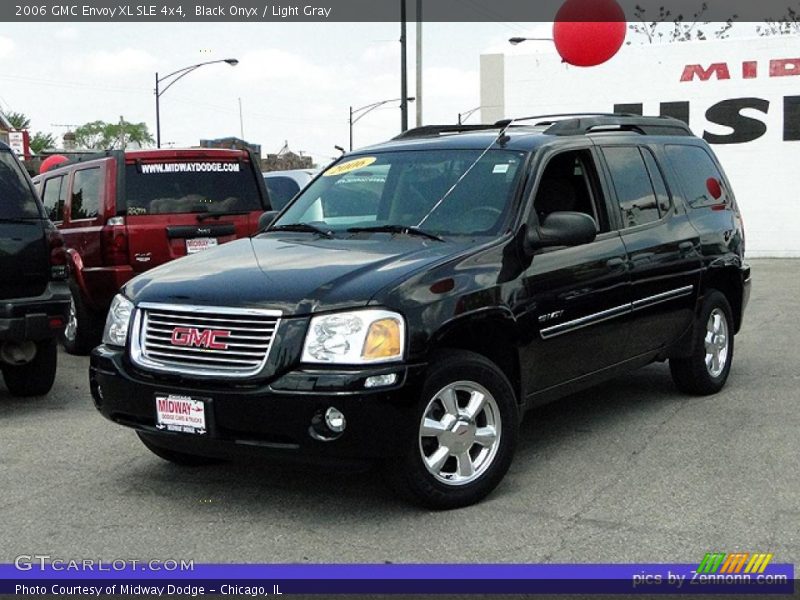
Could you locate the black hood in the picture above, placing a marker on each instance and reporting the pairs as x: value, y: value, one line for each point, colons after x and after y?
x: 295, y: 273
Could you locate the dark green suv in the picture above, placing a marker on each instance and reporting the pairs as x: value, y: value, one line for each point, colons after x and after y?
x: 34, y: 298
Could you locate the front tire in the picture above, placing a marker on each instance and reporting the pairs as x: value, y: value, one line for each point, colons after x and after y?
x: 84, y: 326
x: 177, y: 458
x: 465, y: 435
x: 35, y: 378
x: 706, y: 370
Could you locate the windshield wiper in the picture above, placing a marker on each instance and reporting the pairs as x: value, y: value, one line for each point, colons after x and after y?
x: 404, y: 229
x: 216, y: 215
x: 307, y: 227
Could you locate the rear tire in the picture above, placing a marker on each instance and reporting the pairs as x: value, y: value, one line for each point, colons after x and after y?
x: 84, y: 327
x: 177, y: 458
x: 35, y: 378
x: 464, y: 434
x: 706, y: 370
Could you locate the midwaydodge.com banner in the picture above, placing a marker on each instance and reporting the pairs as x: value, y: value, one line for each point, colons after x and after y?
x: 716, y: 574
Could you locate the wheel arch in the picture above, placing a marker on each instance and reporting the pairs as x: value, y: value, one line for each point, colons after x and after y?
x: 728, y: 281
x: 489, y: 333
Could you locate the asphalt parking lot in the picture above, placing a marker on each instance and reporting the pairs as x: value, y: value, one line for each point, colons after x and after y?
x: 631, y: 471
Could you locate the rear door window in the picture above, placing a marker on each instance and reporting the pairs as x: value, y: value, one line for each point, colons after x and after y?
x: 637, y: 198
x: 190, y: 187
x: 699, y: 176
x: 53, y: 197
x: 16, y: 197
x: 281, y: 190
x: 87, y: 188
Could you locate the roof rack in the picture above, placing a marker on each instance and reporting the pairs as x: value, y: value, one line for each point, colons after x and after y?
x: 566, y: 124
x: 427, y: 130
x: 600, y: 122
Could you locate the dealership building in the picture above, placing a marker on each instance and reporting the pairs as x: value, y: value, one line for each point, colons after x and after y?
x: 741, y: 95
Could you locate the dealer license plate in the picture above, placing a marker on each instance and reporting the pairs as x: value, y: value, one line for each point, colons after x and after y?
x: 195, y: 245
x: 182, y: 414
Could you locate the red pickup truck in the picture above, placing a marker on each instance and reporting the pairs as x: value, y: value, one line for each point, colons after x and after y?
x: 122, y: 213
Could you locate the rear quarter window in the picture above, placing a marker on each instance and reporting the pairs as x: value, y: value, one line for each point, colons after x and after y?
x: 696, y: 171
x: 281, y: 190
x: 16, y: 197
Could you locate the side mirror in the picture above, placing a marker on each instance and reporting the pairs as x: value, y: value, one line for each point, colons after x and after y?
x: 562, y: 229
x: 266, y: 219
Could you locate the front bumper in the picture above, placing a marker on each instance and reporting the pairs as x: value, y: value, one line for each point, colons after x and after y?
x: 270, y: 419
x: 28, y: 319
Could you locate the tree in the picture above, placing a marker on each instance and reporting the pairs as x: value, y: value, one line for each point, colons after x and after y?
x: 41, y: 141
x: 787, y: 24
x: 99, y: 135
x: 18, y: 120
x: 667, y: 27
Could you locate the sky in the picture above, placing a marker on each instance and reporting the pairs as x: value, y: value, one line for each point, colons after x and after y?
x: 296, y: 81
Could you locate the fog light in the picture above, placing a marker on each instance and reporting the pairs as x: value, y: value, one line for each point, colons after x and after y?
x: 327, y: 425
x: 380, y: 380
x: 335, y: 420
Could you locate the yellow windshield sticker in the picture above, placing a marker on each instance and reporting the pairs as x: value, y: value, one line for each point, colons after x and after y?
x: 350, y: 165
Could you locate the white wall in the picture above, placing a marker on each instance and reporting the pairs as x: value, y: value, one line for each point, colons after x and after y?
x: 765, y: 172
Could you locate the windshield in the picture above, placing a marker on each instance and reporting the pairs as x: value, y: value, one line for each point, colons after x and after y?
x: 406, y: 188
x: 190, y: 187
x: 16, y: 198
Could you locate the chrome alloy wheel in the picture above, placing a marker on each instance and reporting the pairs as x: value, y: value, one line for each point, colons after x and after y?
x: 460, y: 433
x: 716, y: 342
x: 71, y: 329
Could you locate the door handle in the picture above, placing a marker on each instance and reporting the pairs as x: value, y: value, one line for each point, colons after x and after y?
x: 614, y: 263
x: 685, y: 247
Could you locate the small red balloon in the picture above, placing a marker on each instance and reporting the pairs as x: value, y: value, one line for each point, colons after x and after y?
x: 588, y: 33
x: 51, y: 162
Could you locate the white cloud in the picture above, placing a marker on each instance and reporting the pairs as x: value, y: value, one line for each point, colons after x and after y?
x: 116, y: 63
x: 67, y: 34
x: 272, y: 64
x: 6, y: 47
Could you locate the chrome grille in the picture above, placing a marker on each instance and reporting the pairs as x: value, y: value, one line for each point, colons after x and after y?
x: 203, y: 340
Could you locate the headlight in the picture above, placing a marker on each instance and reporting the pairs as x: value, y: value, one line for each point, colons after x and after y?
x: 357, y: 337
x: 119, y: 317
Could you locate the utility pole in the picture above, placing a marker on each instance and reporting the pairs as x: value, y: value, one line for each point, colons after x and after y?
x: 403, y: 69
x: 418, y: 94
x: 121, y: 136
x: 241, y: 121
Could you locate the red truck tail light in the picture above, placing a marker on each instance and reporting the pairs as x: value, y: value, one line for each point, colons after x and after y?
x: 115, y: 242
x: 59, y: 269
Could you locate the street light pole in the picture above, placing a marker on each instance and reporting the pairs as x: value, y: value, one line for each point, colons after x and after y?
x: 467, y: 114
x: 403, y: 69
x: 158, y: 115
x: 356, y: 114
x: 175, y: 76
x: 518, y: 40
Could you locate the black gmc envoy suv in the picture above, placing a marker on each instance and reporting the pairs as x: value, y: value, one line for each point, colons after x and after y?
x: 420, y: 295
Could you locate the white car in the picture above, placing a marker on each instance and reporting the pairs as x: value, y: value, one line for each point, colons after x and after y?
x: 284, y: 185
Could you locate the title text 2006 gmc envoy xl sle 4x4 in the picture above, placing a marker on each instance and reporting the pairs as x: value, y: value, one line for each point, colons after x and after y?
x: 420, y: 295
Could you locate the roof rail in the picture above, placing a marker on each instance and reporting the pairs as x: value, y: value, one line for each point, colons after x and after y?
x: 427, y: 130
x: 550, y: 118
x: 619, y: 122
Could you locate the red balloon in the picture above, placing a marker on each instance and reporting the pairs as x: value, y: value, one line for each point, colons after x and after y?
x: 714, y: 187
x: 51, y: 162
x: 589, y: 32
